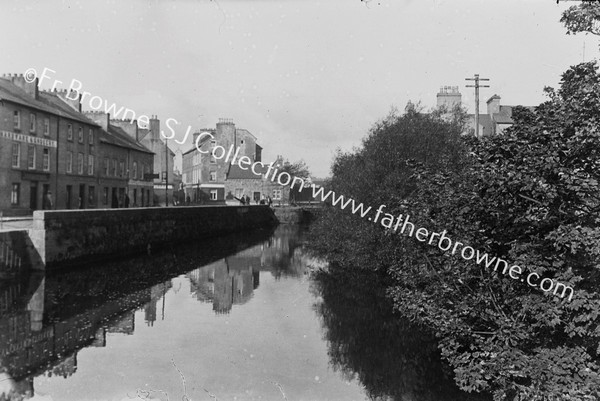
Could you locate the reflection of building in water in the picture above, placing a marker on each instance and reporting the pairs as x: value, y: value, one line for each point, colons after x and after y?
x: 66, y: 367
x: 30, y: 347
x: 11, y: 389
x: 232, y: 280
x: 226, y: 282
x: 156, y: 292
x: 124, y: 325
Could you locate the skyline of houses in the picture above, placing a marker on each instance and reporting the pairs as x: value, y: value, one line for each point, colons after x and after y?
x: 494, y: 122
x: 54, y: 155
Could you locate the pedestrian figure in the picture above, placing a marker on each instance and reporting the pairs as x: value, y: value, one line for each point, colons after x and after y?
x: 247, y: 200
x: 270, y: 201
x: 126, y: 200
x: 48, y: 200
x: 187, y: 200
x: 242, y: 200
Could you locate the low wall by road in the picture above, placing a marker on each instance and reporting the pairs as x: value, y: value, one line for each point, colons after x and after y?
x: 67, y: 236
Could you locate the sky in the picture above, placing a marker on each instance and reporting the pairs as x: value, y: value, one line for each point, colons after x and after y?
x: 306, y: 77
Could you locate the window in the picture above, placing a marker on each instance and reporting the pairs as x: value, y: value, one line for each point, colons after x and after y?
x: 91, y: 164
x: 69, y: 132
x: 135, y: 170
x: 80, y: 163
x: 17, y: 119
x: 91, y: 195
x: 105, y: 196
x: 115, y: 167
x: 213, y: 194
x: 16, y: 155
x: 46, y: 159
x: 80, y: 134
x: 15, y: 194
x: 213, y: 176
x: 213, y: 144
x: 46, y: 126
x: 122, y: 168
x: 277, y: 194
x: 91, y: 137
x: 69, y: 162
x: 32, y: 122
x: 31, y: 157
x: 106, y: 168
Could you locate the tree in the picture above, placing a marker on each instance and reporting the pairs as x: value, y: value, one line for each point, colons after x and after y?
x: 583, y: 17
x: 297, y: 169
x: 530, y: 197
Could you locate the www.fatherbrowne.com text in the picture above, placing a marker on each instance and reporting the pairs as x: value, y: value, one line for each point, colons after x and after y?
x: 441, y: 240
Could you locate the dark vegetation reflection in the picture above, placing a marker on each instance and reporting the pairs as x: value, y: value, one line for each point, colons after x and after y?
x: 392, y: 358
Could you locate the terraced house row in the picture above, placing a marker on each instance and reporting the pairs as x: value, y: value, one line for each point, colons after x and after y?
x: 55, y: 156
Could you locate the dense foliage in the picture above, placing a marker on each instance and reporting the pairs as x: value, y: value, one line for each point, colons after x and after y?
x: 530, y: 196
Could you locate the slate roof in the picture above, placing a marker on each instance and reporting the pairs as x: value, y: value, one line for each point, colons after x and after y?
x: 118, y: 137
x: 48, y: 102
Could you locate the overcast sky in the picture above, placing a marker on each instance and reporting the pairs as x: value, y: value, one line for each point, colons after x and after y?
x: 305, y: 77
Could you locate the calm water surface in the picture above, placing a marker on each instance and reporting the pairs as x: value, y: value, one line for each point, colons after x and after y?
x: 231, y: 319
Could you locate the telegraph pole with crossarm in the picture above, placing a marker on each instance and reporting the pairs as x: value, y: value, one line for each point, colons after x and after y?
x: 477, y: 86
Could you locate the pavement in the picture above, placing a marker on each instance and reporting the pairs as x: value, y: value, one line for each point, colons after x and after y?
x: 16, y: 223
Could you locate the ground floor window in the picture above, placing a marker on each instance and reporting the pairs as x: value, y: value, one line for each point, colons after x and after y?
x: 239, y: 192
x: 91, y: 195
x: 15, y: 195
x: 256, y: 196
x: 213, y: 194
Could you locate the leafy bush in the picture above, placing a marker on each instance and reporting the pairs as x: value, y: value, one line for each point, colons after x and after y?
x: 529, y: 196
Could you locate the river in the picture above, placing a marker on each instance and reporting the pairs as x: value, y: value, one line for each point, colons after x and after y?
x: 236, y: 318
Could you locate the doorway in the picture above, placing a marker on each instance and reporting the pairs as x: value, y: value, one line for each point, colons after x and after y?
x: 81, y: 196
x: 33, y: 195
x: 69, y: 196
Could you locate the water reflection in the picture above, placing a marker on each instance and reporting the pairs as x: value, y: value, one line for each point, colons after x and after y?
x: 393, y: 359
x: 46, y: 320
x: 236, y: 313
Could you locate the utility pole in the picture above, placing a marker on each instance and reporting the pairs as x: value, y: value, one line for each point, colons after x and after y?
x: 477, y: 86
x: 166, y: 173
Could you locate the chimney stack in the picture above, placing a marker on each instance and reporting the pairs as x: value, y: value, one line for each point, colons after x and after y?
x: 493, y: 105
x: 72, y: 99
x: 449, y: 96
x: 19, y: 80
x: 155, y: 128
x: 99, y: 117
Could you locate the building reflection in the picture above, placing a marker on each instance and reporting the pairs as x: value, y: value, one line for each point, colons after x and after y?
x: 233, y: 279
x: 30, y: 346
x: 46, y: 320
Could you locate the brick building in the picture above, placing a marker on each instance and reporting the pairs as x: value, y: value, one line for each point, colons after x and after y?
x: 123, y: 164
x: 163, y: 162
x: 47, y: 149
x: 203, y: 172
x: 51, y: 152
x: 241, y: 182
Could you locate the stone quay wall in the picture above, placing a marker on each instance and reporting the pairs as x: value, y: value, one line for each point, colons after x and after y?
x: 296, y: 214
x: 66, y: 237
